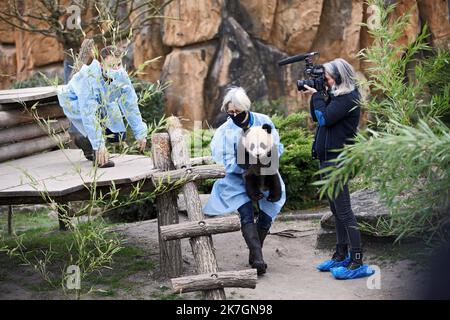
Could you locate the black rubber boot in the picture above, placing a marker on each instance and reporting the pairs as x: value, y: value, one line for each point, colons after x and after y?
x: 250, y: 234
x: 341, y: 252
x: 356, y: 257
x: 262, y: 236
x: 84, y: 144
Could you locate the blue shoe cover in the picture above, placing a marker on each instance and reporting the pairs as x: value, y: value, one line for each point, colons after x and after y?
x: 328, y: 264
x: 342, y: 273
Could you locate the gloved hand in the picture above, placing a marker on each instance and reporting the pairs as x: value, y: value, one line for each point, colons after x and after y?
x: 101, y: 156
x: 141, y: 144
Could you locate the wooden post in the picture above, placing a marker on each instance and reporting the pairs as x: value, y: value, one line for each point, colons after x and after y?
x: 10, y: 213
x: 202, y: 247
x: 171, y: 262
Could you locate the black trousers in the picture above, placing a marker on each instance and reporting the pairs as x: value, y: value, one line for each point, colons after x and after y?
x: 346, y: 226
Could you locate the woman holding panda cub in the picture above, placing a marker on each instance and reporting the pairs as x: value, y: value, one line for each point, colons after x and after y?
x: 337, y: 115
x: 238, y: 189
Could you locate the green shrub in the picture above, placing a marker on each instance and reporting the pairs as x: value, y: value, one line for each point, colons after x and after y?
x: 37, y: 80
x: 271, y: 107
x: 296, y: 166
x: 434, y: 72
x: 151, y: 100
x: 199, y: 144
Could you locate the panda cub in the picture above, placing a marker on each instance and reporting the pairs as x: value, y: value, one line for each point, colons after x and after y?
x: 255, y: 149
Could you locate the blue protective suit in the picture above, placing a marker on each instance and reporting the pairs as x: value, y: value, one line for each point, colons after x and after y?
x: 229, y: 193
x: 91, y: 103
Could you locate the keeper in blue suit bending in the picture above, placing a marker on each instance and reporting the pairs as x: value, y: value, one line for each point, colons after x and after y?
x: 96, y: 100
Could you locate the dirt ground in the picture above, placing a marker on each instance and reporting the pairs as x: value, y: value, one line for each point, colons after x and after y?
x: 291, y: 266
x: 291, y: 269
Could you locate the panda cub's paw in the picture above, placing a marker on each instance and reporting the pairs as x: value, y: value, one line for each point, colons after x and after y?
x: 256, y: 196
x: 273, y: 198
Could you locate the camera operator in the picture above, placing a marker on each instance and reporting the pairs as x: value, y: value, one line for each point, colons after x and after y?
x: 337, y: 113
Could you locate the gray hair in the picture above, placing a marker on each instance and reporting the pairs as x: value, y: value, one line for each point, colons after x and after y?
x: 238, y: 97
x: 341, y: 68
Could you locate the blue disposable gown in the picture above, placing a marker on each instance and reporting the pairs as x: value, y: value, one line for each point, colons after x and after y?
x: 228, y: 193
x: 87, y: 94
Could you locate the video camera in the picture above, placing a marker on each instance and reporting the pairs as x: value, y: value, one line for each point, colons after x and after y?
x: 314, y: 74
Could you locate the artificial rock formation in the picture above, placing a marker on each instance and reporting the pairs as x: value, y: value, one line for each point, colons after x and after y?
x: 339, y: 37
x: 148, y: 45
x: 207, y: 45
x: 236, y: 63
x: 366, y: 206
x: 257, y: 17
x: 8, y: 65
x: 187, y: 69
x: 34, y: 50
x: 437, y: 16
x: 296, y: 25
x: 191, y: 22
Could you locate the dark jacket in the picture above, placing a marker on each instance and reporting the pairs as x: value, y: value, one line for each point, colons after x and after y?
x: 338, y: 119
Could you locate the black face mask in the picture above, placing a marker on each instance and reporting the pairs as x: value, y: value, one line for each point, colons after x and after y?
x: 239, y: 119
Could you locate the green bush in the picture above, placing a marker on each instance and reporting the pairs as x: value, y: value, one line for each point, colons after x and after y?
x: 199, y: 144
x: 271, y: 107
x: 296, y: 166
x: 151, y: 100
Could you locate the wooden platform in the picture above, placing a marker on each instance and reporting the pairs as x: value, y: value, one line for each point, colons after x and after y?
x: 28, y: 94
x: 66, y: 174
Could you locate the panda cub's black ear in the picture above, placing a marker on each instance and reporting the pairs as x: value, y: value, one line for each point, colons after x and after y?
x: 267, y: 127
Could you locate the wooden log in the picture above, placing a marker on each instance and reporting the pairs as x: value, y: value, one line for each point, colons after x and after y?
x: 32, y: 130
x: 201, y: 160
x: 202, y: 247
x: 10, y: 213
x: 226, y: 279
x: 12, y: 118
x: 189, y: 174
x: 171, y: 262
x: 201, y: 228
x: 28, y: 147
